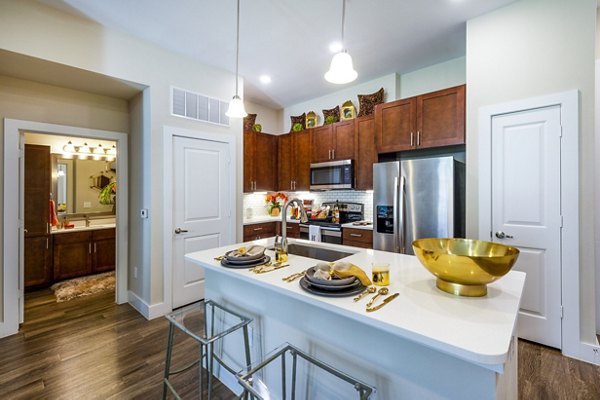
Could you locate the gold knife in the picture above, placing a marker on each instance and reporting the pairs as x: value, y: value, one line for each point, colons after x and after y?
x: 385, y: 301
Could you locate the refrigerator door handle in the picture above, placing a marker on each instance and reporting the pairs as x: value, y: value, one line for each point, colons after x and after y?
x: 396, y: 217
x: 401, y: 223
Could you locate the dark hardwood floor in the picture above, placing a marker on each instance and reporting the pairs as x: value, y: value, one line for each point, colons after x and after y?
x: 91, y: 348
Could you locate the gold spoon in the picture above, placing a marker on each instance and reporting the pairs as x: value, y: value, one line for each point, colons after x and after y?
x: 370, y: 289
x: 382, y: 292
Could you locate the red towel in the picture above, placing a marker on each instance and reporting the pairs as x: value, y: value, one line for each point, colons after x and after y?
x: 53, y: 219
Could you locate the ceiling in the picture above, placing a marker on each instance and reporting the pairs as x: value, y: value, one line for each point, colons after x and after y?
x: 289, y: 39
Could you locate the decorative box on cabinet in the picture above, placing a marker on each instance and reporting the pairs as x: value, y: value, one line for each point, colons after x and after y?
x: 430, y: 120
x: 294, y: 161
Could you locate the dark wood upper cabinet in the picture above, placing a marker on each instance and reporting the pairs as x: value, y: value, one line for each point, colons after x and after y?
x: 343, y: 136
x: 333, y: 142
x: 265, y: 162
x: 366, y: 153
x: 441, y: 118
x: 260, y: 161
x: 395, y: 125
x: 321, y: 143
x: 248, y: 161
x: 294, y: 161
x: 37, y: 189
x: 430, y: 120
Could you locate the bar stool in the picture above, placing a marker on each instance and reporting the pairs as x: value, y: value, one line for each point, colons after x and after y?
x: 295, y: 374
x: 206, y: 322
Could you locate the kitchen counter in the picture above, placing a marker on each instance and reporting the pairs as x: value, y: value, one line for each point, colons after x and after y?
x: 267, y: 218
x: 424, y: 342
x: 55, y: 231
x: 366, y: 227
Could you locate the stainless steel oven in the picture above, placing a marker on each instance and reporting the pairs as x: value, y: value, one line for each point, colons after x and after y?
x: 332, y: 175
x: 328, y: 234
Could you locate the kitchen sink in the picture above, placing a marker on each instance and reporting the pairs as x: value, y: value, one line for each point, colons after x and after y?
x: 318, y: 253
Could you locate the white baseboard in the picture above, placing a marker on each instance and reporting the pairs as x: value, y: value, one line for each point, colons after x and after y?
x: 147, y: 310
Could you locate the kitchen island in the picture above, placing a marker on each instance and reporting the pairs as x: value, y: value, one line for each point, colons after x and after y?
x: 425, y: 344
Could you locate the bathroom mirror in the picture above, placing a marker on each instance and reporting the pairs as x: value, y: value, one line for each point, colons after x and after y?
x: 77, y: 184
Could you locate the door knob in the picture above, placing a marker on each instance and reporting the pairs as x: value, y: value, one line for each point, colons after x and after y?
x: 179, y: 230
x: 502, y: 235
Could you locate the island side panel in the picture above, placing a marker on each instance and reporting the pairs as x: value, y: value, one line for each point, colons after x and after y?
x: 399, y: 368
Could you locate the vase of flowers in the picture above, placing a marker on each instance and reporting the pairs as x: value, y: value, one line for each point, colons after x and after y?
x: 275, y: 202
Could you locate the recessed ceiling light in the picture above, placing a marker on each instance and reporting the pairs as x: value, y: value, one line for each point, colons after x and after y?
x: 336, y: 47
x: 266, y: 79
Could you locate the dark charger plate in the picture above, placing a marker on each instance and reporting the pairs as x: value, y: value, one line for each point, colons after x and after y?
x: 307, y: 286
x: 247, y: 264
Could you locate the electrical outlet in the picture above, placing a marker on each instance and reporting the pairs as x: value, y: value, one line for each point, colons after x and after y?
x: 134, y: 272
x: 87, y: 204
x: 144, y: 213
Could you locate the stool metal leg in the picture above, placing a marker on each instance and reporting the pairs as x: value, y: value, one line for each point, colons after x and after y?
x: 247, y: 350
x: 168, y: 359
x: 293, y: 375
x: 283, y: 378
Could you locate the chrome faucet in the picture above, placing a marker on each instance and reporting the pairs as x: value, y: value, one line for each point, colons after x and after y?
x: 303, y: 218
x: 87, y: 221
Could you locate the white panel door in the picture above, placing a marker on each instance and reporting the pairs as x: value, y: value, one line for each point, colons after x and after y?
x: 526, y: 213
x: 201, y: 210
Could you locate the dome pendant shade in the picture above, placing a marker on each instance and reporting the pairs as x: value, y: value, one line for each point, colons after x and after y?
x: 341, y: 69
x: 236, y: 108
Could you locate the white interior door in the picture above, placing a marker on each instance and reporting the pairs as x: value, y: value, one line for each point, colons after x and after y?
x: 201, y: 210
x: 526, y: 212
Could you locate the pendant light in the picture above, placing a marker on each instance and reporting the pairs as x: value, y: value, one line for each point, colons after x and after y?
x: 341, y: 69
x: 236, y: 105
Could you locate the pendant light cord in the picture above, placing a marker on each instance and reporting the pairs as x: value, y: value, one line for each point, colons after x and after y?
x: 343, y: 23
x: 237, y: 48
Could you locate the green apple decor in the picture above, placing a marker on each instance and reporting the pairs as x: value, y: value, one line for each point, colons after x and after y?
x: 329, y: 120
x: 257, y: 127
x: 297, y: 127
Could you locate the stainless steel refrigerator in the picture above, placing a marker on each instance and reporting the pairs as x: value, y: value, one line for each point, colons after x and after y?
x: 415, y: 199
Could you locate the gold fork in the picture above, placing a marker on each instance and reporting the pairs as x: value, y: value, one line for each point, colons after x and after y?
x: 293, y: 277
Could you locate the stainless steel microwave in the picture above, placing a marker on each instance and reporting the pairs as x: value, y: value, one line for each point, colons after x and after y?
x: 332, y: 175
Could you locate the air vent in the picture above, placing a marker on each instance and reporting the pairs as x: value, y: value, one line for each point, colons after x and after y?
x: 196, y: 106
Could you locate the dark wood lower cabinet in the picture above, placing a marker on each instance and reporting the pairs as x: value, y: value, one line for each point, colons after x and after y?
x: 38, y: 261
x: 72, y: 254
x: 104, y: 250
x: 52, y: 258
x: 357, y: 237
x: 259, y: 231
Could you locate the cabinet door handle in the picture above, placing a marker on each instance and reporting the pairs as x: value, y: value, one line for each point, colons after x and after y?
x: 333, y: 152
x: 294, y: 185
x: 257, y: 229
x: 418, y: 138
x: 411, y: 140
x: 329, y: 154
x: 94, y: 247
x: 356, y: 235
x: 47, y: 245
x: 90, y: 247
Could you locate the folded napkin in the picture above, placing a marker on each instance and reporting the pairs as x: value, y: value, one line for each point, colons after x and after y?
x: 341, y: 269
x: 251, y: 251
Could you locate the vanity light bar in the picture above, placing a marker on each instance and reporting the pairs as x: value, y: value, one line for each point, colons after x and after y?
x: 85, y: 150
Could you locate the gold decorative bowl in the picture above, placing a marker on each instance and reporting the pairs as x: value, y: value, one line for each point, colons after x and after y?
x: 464, y: 267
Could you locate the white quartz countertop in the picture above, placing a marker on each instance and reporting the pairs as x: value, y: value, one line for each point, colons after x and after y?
x: 268, y: 218
x: 477, y: 329
x: 351, y: 225
x: 55, y: 231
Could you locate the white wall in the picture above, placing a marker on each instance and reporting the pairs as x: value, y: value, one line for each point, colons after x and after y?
x: 531, y: 48
x: 387, y: 82
x: 30, y: 28
x: 435, y: 77
x: 269, y: 118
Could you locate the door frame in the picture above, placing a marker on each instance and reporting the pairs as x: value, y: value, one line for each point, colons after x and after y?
x: 568, y: 102
x: 169, y: 133
x: 13, y: 200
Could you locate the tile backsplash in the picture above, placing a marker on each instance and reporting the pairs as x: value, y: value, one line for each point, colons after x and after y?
x: 256, y: 202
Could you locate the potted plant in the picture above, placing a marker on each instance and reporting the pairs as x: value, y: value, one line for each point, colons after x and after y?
x: 274, y: 203
x: 108, y: 194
